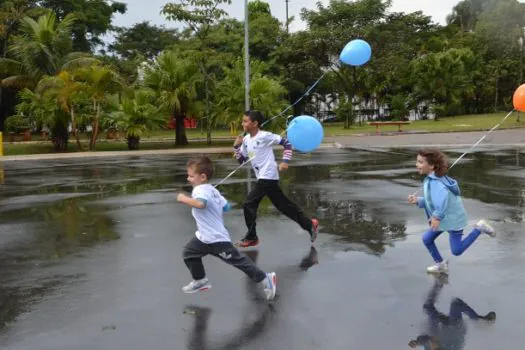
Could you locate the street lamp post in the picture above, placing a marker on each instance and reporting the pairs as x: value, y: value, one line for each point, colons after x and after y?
x: 247, y: 76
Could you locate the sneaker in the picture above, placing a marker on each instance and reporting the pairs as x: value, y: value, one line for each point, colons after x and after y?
x: 197, y: 286
x: 441, y: 267
x: 270, y: 285
x: 246, y: 243
x: 484, y: 227
x: 491, y: 316
x: 315, y: 230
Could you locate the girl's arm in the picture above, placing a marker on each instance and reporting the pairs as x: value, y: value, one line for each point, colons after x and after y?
x: 439, y: 195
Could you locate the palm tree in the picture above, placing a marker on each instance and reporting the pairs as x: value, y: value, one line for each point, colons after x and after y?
x: 66, y: 92
x: 43, y: 48
x: 175, y: 81
x: 137, y: 115
x: 266, y: 95
x: 98, y: 82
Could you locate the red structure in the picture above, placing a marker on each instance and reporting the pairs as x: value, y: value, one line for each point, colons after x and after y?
x: 189, y: 123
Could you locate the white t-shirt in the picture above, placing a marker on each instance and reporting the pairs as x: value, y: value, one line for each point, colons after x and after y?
x: 260, y: 148
x: 210, y: 223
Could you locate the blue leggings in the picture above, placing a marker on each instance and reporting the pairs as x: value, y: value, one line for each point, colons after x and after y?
x: 457, y: 246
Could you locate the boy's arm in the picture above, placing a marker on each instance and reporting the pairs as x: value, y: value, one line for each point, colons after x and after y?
x: 275, y: 139
x: 199, y: 203
x: 241, y: 151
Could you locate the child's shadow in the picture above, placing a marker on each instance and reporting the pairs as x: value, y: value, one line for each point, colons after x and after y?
x: 446, y: 331
x: 197, y: 337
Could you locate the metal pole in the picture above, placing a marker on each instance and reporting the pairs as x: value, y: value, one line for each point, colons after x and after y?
x: 287, y: 1
x: 247, y: 76
x: 246, y: 59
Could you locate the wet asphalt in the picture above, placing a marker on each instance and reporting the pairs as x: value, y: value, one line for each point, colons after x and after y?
x: 90, y: 256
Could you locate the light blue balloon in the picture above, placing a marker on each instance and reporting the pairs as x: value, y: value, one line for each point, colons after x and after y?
x: 305, y: 133
x: 356, y: 53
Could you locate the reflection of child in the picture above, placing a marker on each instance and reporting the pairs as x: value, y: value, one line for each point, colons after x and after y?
x: 212, y: 237
x: 257, y: 145
x: 446, y: 331
x: 444, y: 208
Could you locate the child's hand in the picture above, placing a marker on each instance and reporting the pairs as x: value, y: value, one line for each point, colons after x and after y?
x: 434, y: 224
x: 180, y: 197
x: 283, y: 166
x: 412, y: 199
x: 238, y: 141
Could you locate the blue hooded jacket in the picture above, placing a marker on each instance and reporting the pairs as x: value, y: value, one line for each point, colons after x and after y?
x: 441, y: 199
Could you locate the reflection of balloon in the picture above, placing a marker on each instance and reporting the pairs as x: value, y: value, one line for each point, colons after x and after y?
x: 519, y: 99
x: 305, y: 133
x: 356, y: 53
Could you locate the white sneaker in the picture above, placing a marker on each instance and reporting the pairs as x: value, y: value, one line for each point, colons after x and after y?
x: 197, y: 286
x: 484, y: 227
x: 270, y: 285
x: 439, y: 268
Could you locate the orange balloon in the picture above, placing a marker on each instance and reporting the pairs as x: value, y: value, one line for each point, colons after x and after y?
x: 519, y: 99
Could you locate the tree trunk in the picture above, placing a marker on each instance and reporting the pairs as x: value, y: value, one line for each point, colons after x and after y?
x: 94, y: 135
x: 60, y: 137
x: 207, y: 97
x: 180, y: 131
x: 133, y: 142
x: 74, y: 128
x: 496, y: 97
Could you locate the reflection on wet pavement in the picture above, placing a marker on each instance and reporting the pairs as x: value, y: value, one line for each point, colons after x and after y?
x: 93, y: 230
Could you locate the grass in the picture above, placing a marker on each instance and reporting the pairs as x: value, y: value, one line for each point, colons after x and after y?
x: 449, y: 124
x: 16, y: 149
x: 165, y: 137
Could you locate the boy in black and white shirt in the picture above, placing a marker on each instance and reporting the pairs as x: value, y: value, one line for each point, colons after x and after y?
x: 257, y: 147
x: 212, y: 238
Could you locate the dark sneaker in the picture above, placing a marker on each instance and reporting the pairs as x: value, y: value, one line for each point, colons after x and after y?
x: 246, y: 243
x: 315, y: 230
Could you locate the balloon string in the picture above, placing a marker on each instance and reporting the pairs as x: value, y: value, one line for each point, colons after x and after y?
x: 475, y: 145
x: 300, y: 98
x: 242, y: 164
x: 277, y: 116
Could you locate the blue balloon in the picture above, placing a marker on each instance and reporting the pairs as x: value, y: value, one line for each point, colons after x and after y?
x: 305, y: 133
x: 356, y: 53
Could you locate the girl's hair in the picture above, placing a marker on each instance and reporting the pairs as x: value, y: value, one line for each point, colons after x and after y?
x: 436, y: 158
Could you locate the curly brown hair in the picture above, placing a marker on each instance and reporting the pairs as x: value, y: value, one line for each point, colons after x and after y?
x: 436, y: 158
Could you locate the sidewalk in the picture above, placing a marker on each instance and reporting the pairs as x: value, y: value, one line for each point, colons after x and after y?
x: 514, y: 138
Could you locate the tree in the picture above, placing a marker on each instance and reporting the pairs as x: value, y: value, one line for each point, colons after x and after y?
x: 266, y: 95
x: 67, y: 93
x: 144, y: 40
x: 43, y: 48
x: 94, y: 19
x: 175, y: 80
x: 443, y: 79
x: 200, y: 16
x: 98, y: 82
x: 137, y: 115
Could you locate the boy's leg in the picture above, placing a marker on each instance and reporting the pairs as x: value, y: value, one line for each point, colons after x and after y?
x: 193, y: 253
x: 250, y: 209
x: 287, y: 207
x: 428, y: 239
x: 458, y: 246
x: 230, y: 255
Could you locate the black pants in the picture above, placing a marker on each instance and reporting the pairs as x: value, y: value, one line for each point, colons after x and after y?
x: 271, y: 189
x: 195, y: 250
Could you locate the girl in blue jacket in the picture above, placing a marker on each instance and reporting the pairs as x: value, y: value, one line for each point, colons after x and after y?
x: 444, y: 208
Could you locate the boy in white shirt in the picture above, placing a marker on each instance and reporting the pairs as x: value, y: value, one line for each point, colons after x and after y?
x: 257, y: 146
x: 212, y: 238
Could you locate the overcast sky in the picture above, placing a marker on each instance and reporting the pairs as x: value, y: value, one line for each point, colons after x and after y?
x: 141, y: 10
